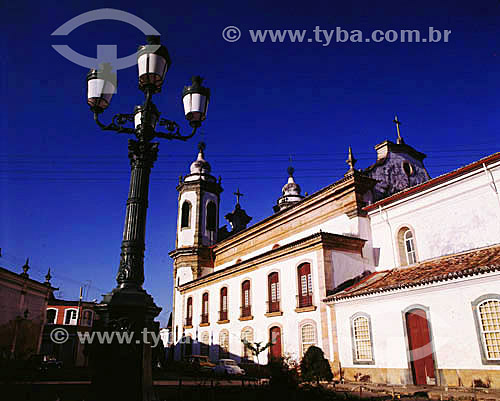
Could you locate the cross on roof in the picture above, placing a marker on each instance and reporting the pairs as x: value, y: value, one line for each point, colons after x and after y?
x: 201, y: 146
x: 238, y: 194
x: 290, y: 169
x: 398, y: 123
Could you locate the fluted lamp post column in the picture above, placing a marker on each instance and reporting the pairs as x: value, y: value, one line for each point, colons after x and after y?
x: 123, y: 370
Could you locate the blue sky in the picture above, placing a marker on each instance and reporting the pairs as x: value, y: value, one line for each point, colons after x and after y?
x: 64, y: 183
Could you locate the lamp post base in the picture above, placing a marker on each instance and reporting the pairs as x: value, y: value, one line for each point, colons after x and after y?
x: 121, y: 351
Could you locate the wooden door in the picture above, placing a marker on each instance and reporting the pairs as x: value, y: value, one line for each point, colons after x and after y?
x: 275, y: 338
x: 419, y: 342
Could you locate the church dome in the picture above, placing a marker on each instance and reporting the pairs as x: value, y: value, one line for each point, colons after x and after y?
x: 291, y: 187
x: 200, y: 165
x: 291, y: 192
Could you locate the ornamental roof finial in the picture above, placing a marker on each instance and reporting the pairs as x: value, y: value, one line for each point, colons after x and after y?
x: 290, y: 170
x: 351, y: 161
x: 26, y: 267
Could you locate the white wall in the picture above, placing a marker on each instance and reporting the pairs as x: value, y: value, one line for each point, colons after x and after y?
x: 460, y: 215
x: 208, y: 237
x: 338, y: 225
x: 347, y: 265
x: 289, y: 321
x: 185, y: 236
x: 450, y: 314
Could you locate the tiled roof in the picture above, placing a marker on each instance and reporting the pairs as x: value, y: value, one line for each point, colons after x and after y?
x: 470, y: 263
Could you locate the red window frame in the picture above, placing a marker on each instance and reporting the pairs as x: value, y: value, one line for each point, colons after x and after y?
x: 223, y: 311
x: 246, y: 308
x: 189, y: 312
x: 204, y: 308
x: 305, y: 285
x: 273, y: 296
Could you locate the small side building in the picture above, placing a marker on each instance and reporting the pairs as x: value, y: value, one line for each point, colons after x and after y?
x: 77, y: 319
x: 23, y: 302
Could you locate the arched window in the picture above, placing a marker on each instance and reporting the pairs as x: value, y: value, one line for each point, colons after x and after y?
x: 71, y: 317
x: 406, y: 245
x: 51, y: 316
x: 211, y: 216
x: 488, y: 314
x: 273, y: 285
x: 305, y: 285
x: 362, y: 339
x: 275, y: 340
x: 189, y: 311
x: 307, y: 336
x: 224, y: 344
x: 223, y: 304
x: 247, y: 338
x: 204, y: 308
x: 185, y: 214
x: 87, y: 318
x: 205, y: 344
x: 188, y: 345
x: 246, y: 306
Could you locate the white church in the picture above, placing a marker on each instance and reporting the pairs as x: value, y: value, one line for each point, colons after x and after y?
x: 394, y: 275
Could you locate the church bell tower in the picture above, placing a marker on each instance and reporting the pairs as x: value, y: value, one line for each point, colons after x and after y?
x: 197, y: 221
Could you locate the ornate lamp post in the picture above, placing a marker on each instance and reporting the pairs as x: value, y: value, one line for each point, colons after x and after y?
x: 124, y: 370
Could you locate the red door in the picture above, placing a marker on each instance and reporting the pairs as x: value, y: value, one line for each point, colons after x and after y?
x: 275, y: 338
x: 419, y: 341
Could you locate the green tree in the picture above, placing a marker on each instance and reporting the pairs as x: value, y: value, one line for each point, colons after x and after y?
x: 256, y: 349
x: 314, y: 366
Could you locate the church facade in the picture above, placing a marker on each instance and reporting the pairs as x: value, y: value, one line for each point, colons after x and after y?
x: 394, y: 275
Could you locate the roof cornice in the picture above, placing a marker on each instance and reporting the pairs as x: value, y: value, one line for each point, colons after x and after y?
x: 324, y: 239
x: 353, y: 181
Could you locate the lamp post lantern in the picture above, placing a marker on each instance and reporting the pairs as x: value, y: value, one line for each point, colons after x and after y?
x: 123, y: 370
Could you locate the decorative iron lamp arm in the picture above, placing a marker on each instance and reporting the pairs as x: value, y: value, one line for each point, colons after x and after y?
x: 117, y: 123
x: 174, y: 130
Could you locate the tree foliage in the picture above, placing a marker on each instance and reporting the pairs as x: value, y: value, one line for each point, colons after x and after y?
x: 314, y: 366
x: 256, y: 348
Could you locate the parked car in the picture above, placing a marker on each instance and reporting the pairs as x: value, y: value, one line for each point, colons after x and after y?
x: 43, y: 363
x: 201, y: 362
x: 228, y: 367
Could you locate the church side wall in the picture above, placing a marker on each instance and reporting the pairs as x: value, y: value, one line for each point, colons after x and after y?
x: 456, y: 342
x: 455, y: 217
x: 289, y: 322
x: 340, y: 224
x: 347, y: 265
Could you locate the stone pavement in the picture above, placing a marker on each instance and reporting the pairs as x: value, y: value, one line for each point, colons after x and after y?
x: 416, y: 392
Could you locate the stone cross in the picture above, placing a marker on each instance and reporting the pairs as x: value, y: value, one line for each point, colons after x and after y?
x: 238, y: 194
x: 398, y: 123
